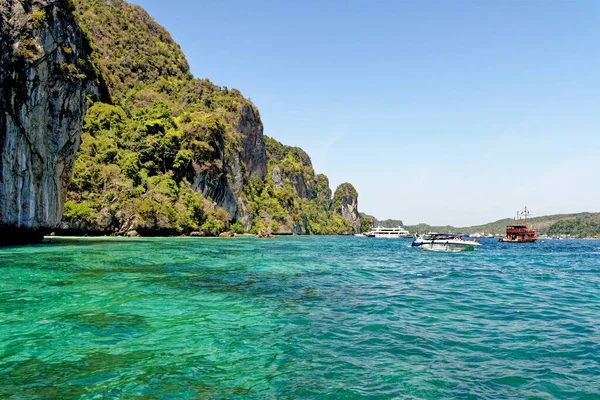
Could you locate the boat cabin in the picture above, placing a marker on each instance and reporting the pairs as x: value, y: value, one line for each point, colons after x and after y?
x: 519, y: 233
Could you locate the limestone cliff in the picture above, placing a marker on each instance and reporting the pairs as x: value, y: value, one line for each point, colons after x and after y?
x: 296, y: 200
x: 345, y: 203
x: 223, y: 180
x: 253, y: 151
x: 167, y: 153
x: 45, y: 75
x: 290, y: 182
x: 190, y: 131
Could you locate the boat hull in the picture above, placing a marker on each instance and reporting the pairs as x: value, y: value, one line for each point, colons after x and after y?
x: 452, y: 246
x: 519, y: 234
x: 505, y: 240
x: 384, y: 236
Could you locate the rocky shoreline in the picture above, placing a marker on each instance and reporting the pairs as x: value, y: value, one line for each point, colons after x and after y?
x: 135, y: 234
x: 46, y: 76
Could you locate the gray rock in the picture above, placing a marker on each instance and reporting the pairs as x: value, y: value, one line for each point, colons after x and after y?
x: 265, y: 234
x: 223, y: 181
x: 45, y: 78
x: 236, y: 177
x: 277, y: 181
x: 254, y: 154
x: 299, y: 185
x: 211, y: 181
x: 243, y: 214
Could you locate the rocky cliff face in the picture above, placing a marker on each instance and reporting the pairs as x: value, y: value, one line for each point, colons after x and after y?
x: 223, y: 180
x: 345, y: 203
x: 217, y: 128
x: 211, y: 180
x: 45, y: 76
x: 253, y: 152
x: 296, y: 200
x: 248, y: 161
x: 166, y: 153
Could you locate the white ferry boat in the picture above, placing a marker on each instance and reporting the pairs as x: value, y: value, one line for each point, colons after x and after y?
x: 389, y: 233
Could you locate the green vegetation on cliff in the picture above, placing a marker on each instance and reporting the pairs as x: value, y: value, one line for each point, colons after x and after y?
x: 138, y: 159
x: 292, y: 198
x: 165, y: 153
x: 366, y: 222
x: 345, y: 204
x: 388, y: 223
x: 132, y: 48
x: 344, y: 191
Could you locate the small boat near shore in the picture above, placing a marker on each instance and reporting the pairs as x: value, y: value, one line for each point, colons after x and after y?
x: 444, y: 242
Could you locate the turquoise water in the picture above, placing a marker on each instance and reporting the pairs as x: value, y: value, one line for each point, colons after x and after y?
x: 298, y: 317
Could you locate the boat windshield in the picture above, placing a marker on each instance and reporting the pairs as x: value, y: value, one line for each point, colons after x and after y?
x: 440, y: 236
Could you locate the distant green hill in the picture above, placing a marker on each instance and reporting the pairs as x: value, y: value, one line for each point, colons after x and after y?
x: 577, y: 225
x: 388, y: 223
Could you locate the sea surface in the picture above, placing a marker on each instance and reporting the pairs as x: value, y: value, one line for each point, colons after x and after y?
x: 298, y: 318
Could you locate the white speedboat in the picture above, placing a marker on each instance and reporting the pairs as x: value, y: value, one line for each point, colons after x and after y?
x: 444, y: 242
x: 389, y: 233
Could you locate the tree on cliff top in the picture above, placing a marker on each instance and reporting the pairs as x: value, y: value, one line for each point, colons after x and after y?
x: 132, y: 47
x: 342, y: 194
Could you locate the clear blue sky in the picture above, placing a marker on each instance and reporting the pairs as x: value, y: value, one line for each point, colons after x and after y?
x: 445, y: 112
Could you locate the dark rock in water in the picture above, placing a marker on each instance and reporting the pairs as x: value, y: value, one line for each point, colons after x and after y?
x: 132, y: 234
x: 264, y: 234
x: 45, y: 77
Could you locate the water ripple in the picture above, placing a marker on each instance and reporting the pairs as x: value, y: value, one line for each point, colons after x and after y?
x: 298, y: 317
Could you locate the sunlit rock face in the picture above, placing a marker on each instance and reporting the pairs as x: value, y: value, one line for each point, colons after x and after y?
x: 45, y: 76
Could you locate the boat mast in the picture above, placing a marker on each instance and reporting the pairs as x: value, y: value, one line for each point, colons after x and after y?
x: 522, y: 215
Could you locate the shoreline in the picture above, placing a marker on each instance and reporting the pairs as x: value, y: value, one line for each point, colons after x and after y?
x: 249, y: 235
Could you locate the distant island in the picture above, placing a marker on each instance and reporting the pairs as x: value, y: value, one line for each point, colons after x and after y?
x: 580, y: 225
